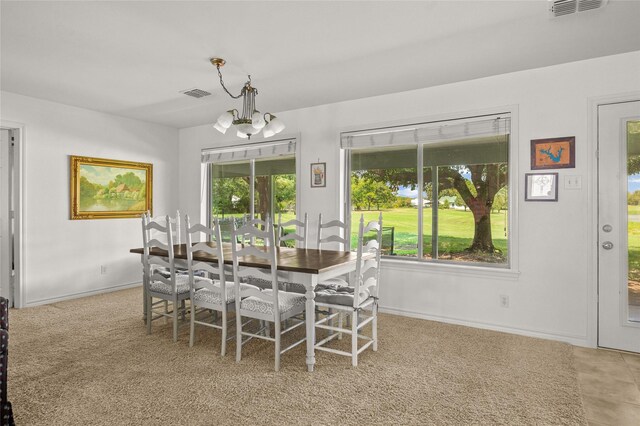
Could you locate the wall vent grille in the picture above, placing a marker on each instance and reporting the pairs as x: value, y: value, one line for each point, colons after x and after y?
x: 196, y: 93
x: 567, y: 7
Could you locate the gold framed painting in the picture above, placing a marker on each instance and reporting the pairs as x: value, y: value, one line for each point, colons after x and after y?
x: 108, y: 189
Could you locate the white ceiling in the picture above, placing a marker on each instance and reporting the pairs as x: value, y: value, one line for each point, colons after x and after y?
x: 133, y: 58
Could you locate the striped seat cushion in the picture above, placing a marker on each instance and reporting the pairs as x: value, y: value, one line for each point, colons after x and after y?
x: 338, y: 295
x: 215, y: 296
x: 264, y: 284
x: 287, y: 301
x: 182, y: 286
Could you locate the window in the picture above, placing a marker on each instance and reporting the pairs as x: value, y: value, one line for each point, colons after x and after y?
x: 257, y: 180
x: 443, y: 188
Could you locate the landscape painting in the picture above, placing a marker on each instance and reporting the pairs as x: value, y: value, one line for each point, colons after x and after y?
x: 102, y: 188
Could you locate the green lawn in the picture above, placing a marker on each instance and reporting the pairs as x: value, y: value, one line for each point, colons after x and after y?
x: 634, y: 242
x: 455, y: 232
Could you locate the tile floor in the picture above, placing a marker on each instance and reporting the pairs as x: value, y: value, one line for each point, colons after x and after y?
x: 610, y: 386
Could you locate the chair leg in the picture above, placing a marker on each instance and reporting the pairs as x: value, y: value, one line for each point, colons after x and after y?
x: 192, y: 324
x: 276, y: 330
x: 223, y: 350
x: 238, y: 336
x: 166, y: 310
x: 175, y: 319
x: 374, y: 327
x: 354, y: 339
x: 149, y: 312
x: 340, y: 315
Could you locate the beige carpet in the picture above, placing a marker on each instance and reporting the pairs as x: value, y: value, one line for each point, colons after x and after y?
x: 90, y: 362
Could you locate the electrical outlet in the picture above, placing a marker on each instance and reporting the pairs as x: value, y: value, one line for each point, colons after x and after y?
x: 103, y: 269
x: 573, y: 182
x: 504, y: 300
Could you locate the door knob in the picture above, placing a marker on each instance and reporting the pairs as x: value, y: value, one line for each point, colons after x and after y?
x: 607, y: 245
x: 607, y: 228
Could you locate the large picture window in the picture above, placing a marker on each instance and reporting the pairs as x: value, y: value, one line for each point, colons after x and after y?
x: 257, y: 180
x: 443, y: 188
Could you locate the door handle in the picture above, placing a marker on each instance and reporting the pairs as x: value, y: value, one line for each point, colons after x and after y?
x: 607, y: 245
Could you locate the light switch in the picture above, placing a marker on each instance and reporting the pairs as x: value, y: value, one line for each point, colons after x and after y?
x: 573, y: 182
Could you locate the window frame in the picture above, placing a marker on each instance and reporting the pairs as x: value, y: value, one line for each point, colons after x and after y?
x: 508, y: 270
x: 208, y: 172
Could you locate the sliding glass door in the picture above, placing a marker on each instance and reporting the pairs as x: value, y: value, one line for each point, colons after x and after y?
x: 253, y: 181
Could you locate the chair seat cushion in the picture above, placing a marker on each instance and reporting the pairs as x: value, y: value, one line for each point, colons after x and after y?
x: 166, y: 272
x: 287, y: 301
x: 339, y: 295
x: 214, y: 296
x: 264, y: 284
x: 182, y: 285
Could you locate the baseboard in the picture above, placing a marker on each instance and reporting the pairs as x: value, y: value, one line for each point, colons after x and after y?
x: 571, y: 339
x: 71, y: 296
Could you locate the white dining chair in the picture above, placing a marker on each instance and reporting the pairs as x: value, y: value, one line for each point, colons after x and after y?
x: 168, y: 286
x: 359, y: 301
x: 207, y: 294
x: 267, y: 306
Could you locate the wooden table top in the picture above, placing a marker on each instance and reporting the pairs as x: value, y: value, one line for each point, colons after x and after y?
x: 310, y: 261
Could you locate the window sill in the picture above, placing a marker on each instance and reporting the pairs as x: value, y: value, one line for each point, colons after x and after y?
x: 462, y: 270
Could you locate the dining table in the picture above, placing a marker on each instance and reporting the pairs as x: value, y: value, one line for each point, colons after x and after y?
x: 305, y: 266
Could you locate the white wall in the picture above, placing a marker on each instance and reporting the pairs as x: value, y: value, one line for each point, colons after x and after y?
x: 62, y: 256
x: 553, y: 294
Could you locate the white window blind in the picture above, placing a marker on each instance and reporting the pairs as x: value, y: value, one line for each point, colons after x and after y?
x: 450, y: 130
x: 285, y: 147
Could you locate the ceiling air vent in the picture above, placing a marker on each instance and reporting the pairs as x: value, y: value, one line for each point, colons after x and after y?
x: 196, y: 93
x: 568, y: 7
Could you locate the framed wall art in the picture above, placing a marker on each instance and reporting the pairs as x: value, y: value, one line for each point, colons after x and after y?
x: 318, y: 175
x: 107, y: 189
x: 541, y: 187
x: 553, y: 153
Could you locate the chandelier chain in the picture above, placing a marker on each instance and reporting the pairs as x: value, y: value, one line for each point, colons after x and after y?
x: 225, y: 88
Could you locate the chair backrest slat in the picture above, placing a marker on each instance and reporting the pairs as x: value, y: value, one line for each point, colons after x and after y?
x: 300, y: 234
x: 340, y: 233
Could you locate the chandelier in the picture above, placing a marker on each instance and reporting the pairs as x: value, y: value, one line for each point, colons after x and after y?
x: 251, y: 121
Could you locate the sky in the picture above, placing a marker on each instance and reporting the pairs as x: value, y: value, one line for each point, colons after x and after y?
x: 633, y: 183
x: 405, y: 191
x: 103, y: 175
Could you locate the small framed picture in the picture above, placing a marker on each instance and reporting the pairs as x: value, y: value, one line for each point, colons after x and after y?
x: 318, y: 175
x: 553, y: 153
x: 541, y: 187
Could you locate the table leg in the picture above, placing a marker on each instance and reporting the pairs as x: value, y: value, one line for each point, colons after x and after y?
x: 311, y: 321
x: 144, y: 291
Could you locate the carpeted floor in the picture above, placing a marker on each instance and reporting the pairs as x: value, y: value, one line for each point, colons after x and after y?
x: 90, y: 362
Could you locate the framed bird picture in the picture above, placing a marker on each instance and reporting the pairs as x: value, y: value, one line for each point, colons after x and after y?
x: 553, y: 153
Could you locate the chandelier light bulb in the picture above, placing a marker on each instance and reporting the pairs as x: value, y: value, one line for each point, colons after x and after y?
x: 226, y: 119
x: 268, y: 131
x: 242, y: 135
x: 220, y: 128
x: 276, y: 124
x: 257, y: 120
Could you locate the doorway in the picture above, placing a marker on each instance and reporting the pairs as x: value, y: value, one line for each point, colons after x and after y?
x: 619, y: 226
x: 7, y: 272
